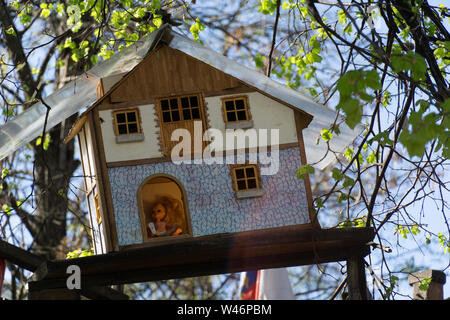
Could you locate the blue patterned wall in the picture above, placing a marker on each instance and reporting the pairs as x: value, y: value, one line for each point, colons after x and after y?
x: 212, y: 203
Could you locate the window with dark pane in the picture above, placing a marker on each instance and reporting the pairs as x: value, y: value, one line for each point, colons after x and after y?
x: 126, y: 122
x: 122, y: 129
x: 132, y: 128
x: 166, y: 116
x: 251, y: 183
x: 175, y: 115
x: 173, y: 104
x: 236, y: 109
x: 194, y: 101
x: 181, y: 108
x: 131, y: 117
x: 120, y: 118
x: 240, y: 104
x: 240, y: 174
x: 196, y: 113
x: 246, y: 178
x: 241, y: 185
x: 229, y: 105
x: 165, y: 105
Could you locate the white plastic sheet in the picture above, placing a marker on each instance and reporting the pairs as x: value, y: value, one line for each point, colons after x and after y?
x: 71, y: 98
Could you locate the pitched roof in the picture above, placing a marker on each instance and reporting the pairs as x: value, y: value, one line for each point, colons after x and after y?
x: 79, y: 94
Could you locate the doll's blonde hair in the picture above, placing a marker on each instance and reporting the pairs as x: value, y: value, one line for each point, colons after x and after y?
x: 174, y: 211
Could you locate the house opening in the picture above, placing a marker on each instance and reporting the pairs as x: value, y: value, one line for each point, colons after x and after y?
x: 163, y: 208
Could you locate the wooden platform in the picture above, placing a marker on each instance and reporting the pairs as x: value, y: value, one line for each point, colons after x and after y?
x: 207, y: 255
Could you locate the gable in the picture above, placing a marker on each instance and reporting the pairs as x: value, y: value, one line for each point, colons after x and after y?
x: 168, y: 72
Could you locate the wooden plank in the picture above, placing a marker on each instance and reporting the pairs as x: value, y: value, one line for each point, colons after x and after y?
x: 52, y: 294
x: 108, y: 218
x: 20, y: 257
x: 300, y: 124
x: 103, y: 293
x: 270, y: 248
x: 206, y: 268
x: 356, y: 278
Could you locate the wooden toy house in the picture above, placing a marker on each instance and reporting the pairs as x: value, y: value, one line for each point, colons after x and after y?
x: 125, y: 145
x: 134, y: 102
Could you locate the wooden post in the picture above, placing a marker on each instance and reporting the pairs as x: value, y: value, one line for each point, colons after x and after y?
x: 435, y: 280
x: 356, y: 278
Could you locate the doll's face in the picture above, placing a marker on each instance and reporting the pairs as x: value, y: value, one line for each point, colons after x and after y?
x: 158, y: 212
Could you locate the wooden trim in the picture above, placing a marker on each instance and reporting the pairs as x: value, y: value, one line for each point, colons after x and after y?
x: 100, y: 89
x: 76, y: 127
x: 234, y: 98
x: 233, y: 168
x: 82, y: 140
x: 187, y: 215
x: 98, y: 181
x: 124, y: 105
x: 106, y: 202
x: 206, y: 255
x: 236, y: 90
x: 126, y: 111
x: 19, y: 257
x: 82, y: 162
x: 97, y: 209
x: 86, y: 191
x: 300, y: 124
x: 165, y: 141
x: 138, y: 162
x: 156, y: 242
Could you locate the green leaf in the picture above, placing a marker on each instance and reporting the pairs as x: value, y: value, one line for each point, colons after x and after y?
x: 6, y: 209
x: 259, y: 61
x: 196, y: 28
x: 304, y: 170
x: 425, y: 284
x: 337, y: 174
x: 45, y: 13
x: 411, y: 61
x: 11, y: 31
x: 319, y: 203
x: 4, y: 173
x: 267, y: 6
x: 371, y: 158
x: 326, y: 134
x: 348, y: 154
x: 157, y: 21
x: 353, y: 111
x: 348, y: 182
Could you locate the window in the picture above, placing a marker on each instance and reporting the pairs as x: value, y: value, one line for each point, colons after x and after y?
x: 235, y: 109
x: 163, y: 208
x: 126, y: 122
x: 246, y: 178
x: 180, y: 108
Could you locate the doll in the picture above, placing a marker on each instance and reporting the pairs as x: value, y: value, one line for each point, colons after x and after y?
x: 166, y: 218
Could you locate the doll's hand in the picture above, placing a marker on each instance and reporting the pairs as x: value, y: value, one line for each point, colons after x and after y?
x: 177, y: 232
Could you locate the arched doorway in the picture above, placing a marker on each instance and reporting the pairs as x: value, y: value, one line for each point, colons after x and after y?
x: 163, y: 208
